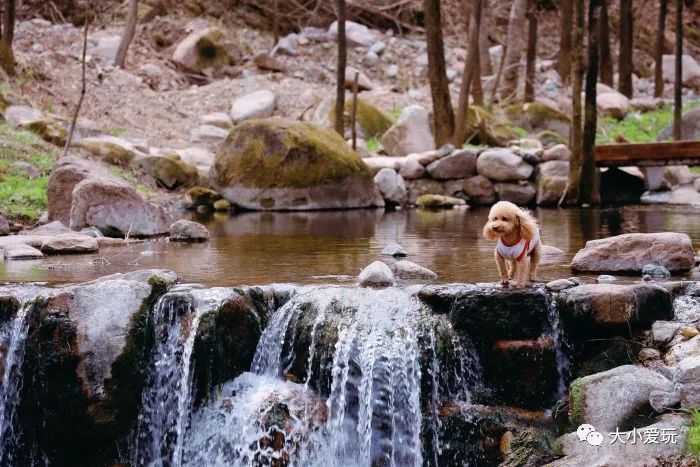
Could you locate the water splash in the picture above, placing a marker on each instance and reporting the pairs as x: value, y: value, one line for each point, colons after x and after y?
x: 686, y: 308
x: 561, y: 346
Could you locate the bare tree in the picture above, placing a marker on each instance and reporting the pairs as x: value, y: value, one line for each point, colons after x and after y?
x: 576, y: 113
x: 531, y: 55
x: 588, y: 187
x: 443, y: 117
x: 83, y: 89
x: 128, y: 35
x: 484, y: 56
x: 625, y: 66
x: 659, y: 49
x: 275, y: 22
x: 475, y: 23
x: 606, y: 64
x: 678, y: 79
x: 470, y: 73
x: 340, y: 72
x: 515, y: 41
x: 7, y: 56
x: 567, y: 15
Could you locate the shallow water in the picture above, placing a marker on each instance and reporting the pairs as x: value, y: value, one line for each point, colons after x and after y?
x: 322, y: 247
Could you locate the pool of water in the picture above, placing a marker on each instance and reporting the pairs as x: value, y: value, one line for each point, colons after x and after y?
x: 333, y: 246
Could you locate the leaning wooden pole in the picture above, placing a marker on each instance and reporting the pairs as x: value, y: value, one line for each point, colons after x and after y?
x: 678, y: 80
x: 83, y: 89
x: 353, y: 115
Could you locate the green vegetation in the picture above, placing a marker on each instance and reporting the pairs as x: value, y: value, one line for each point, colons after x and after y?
x: 373, y: 144
x: 638, y: 127
x: 394, y: 114
x: 693, y: 441
x: 129, y: 177
x: 23, y: 197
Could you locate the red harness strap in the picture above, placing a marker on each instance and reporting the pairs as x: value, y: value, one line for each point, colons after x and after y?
x: 525, y: 251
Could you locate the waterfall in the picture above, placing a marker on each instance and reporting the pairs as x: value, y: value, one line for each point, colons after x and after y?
x: 167, y: 399
x: 371, y: 414
x: 13, y: 334
x: 561, y: 347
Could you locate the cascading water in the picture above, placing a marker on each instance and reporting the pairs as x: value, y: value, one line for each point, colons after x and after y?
x: 167, y: 400
x: 371, y: 414
x: 561, y: 347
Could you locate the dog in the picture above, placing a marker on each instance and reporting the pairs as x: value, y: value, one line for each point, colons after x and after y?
x: 518, y: 247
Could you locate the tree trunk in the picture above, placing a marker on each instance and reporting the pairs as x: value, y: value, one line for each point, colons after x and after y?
x: 470, y: 73
x: 576, y: 114
x: 275, y: 23
x: 128, y: 35
x: 476, y: 25
x: 659, y: 49
x: 531, y: 55
x: 588, y: 187
x: 515, y: 41
x: 624, y: 67
x: 678, y: 80
x: 567, y: 16
x: 340, y: 72
x: 443, y: 117
x: 7, y: 56
x: 484, y: 55
x: 606, y: 64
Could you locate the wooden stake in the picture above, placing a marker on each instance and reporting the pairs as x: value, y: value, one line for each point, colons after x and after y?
x: 83, y: 89
x: 353, y: 117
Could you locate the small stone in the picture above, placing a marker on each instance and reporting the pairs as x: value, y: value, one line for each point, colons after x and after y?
x: 376, y: 274
x: 530, y: 158
x: 392, y: 71
x: 605, y: 279
x: 269, y: 63
x: 559, y: 152
x: 218, y: 119
x: 411, y: 169
x: 407, y: 270
x: 258, y: 104
x: 560, y: 284
x: 394, y: 249
x: 69, y: 243
x: 647, y: 278
x: 689, y: 332
x: 439, y: 202
x: 188, y: 231
x: 222, y: 205
x: 207, y: 136
x: 648, y: 353
x: 661, y: 401
x: 663, y: 331
x: 392, y: 186
x: 655, y: 270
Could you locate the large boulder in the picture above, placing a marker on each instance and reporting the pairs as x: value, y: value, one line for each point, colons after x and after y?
x: 522, y: 193
x: 691, y: 70
x: 110, y: 149
x: 201, y: 50
x: 535, y: 117
x: 116, y: 208
x: 690, y: 127
x: 621, y: 185
x: 410, y: 134
x: 552, y: 178
x: 188, y: 231
x: 459, y: 164
x: 168, y: 171
x: 612, y: 104
x: 502, y: 165
x: 277, y: 164
x: 257, y: 104
x: 369, y: 120
x: 613, y: 399
x: 630, y: 252
x: 479, y: 189
x: 65, y: 174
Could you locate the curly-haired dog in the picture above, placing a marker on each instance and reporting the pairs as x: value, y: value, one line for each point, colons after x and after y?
x: 518, y: 243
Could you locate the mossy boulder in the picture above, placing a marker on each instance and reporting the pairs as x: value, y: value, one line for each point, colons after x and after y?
x: 201, y: 196
x: 168, y: 171
x: 277, y: 164
x: 203, y: 49
x: 486, y: 128
x: 371, y: 122
x: 110, y: 149
x: 49, y: 130
x: 535, y: 117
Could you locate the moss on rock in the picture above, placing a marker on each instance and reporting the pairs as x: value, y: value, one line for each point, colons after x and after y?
x: 438, y: 202
x: 486, y: 128
x: 201, y: 196
x: 537, y: 116
x: 169, y: 171
x: 371, y: 122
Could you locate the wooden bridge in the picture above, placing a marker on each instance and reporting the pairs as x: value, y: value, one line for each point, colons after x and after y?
x: 650, y: 157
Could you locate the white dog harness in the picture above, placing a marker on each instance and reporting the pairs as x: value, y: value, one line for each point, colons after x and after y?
x: 518, y: 251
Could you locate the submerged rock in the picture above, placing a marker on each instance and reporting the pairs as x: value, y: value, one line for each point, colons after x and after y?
x: 394, y: 249
x: 376, y: 274
x: 325, y: 174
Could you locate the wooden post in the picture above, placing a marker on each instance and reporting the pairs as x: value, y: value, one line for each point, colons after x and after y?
x: 678, y: 81
x: 531, y: 55
x: 625, y: 65
x: 659, y: 50
x: 83, y: 89
x: 588, y: 187
x: 565, y: 31
x: 576, y: 113
x: 353, y: 116
x: 340, y: 72
x: 606, y: 64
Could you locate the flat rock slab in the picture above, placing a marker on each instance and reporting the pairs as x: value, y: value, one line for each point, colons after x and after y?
x: 630, y: 252
x: 19, y: 251
x: 69, y: 243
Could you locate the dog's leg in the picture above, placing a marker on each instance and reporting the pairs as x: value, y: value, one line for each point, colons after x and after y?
x: 512, y: 267
x: 535, y: 262
x: 502, y: 268
x: 523, y: 267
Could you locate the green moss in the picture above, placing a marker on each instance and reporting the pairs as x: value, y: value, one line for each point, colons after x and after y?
x: 371, y: 122
x: 22, y: 197
x: 201, y: 196
x: 638, y: 127
x: 692, y: 444
x: 278, y: 153
x: 484, y: 127
x: 373, y: 144
x: 550, y: 138
x: 577, y: 401
x: 394, y: 114
x: 129, y: 177
x: 537, y: 116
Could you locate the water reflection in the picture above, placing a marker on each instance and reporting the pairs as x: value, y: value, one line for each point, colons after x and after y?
x: 258, y: 248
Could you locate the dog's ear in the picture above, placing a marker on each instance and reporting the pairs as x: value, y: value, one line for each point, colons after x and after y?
x: 488, y: 233
x: 528, y: 225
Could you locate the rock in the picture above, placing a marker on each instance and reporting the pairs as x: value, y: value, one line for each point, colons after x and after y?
x: 688, y: 382
x: 688, y: 332
x: 363, y: 81
x: 50, y: 228
x: 663, y: 331
x: 115, y: 207
x: 376, y: 274
x: 169, y: 172
x: 218, y: 119
x: 535, y: 117
x: 613, y: 104
x: 392, y: 71
x: 439, y: 202
x: 207, y: 136
x: 201, y: 50
x: 428, y: 157
x: 682, y: 349
x: 648, y: 353
x: 518, y: 193
x: 685, y: 195
x: 691, y: 70
x: 21, y: 251
x: 391, y: 185
x: 480, y: 190
x: 22, y: 115
x: 258, y: 104
x: 605, y: 279
x: 655, y: 271
x: 559, y: 152
x: 678, y: 175
x: 407, y: 270
x: 552, y: 179
x: 105, y: 50
x: 459, y: 164
x: 268, y: 63
x: 370, y: 121
x: 287, y: 45
x: 630, y: 252
x: 502, y: 165
x: 4, y: 226
x: 618, y: 185
x: 375, y: 164
x: 423, y: 186
x: 560, y: 284
x: 69, y: 243
x: 411, y: 169
x: 222, y: 205
x: 661, y: 401
x: 611, y: 399
x: 201, y: 196
x: 645, y: 104
x: 394, y: 249
x: 410, y: 134
x: 603, y: 308
x: 357, y: 34
x: 326, y: 173
x: 655, y: 197
x: 26, y: 169
x: 65, y: 174
x: 110, y: 149
x: 690, y: 127
x: 188, y: 231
